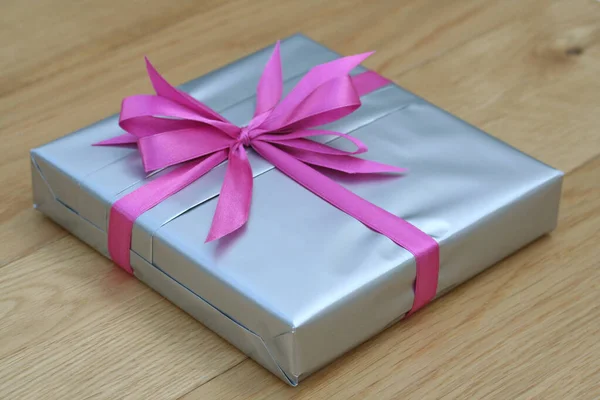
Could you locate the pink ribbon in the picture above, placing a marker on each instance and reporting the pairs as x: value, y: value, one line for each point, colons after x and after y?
x: 172, y: 128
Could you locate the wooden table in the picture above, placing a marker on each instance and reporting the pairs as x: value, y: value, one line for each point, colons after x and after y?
x: 528, y: 71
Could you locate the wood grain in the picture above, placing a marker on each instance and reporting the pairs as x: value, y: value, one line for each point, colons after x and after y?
x: 532, y: 82
x: 527, y: 71
x: 73, y: 326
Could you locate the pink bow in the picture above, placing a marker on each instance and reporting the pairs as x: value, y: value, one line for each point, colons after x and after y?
x: 173, y: 128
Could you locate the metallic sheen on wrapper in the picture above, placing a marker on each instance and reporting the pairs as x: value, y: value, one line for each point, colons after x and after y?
x: 303, y: 282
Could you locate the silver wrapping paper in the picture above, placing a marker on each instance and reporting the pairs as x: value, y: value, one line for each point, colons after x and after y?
x: 303, y: 282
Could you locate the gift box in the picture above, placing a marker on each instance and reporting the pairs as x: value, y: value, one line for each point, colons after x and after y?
x: 302, y: 281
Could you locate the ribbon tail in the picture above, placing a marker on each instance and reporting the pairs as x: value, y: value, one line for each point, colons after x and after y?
x: 127, y: 209
x: 344, y: 163
x: 422, y: 246
x: 233, y: 208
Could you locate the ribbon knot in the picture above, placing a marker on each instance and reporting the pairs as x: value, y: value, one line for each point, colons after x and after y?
x: 245, y: 136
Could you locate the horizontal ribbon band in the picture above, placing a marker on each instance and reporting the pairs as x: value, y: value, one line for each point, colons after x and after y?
x: 172, y: 128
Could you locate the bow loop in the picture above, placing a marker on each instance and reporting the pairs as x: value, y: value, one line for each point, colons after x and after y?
x: 311, y: 152
x: 174, y: 147
x: 328, y: 102
x: 287, y: 109
x: 299, y: 140
x: 138, y: 112
x: 321, y: 74
x: 270, y: 85
x: 166, y: 90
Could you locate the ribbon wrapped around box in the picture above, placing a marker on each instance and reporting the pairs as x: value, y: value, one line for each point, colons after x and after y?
x: 249, y: 199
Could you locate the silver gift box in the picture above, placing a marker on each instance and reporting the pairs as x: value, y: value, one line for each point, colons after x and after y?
x: 303, y: 282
